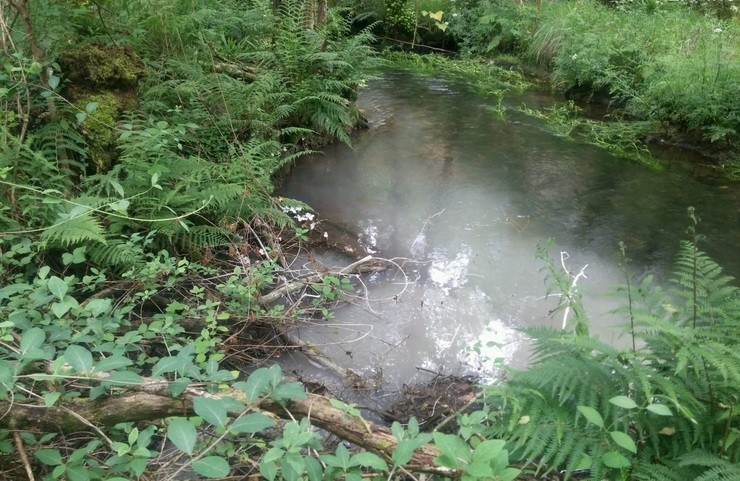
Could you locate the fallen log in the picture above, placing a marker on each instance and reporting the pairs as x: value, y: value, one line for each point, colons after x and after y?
x: 150, y: 402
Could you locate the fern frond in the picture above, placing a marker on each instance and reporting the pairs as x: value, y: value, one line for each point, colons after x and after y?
x: 74, y: 230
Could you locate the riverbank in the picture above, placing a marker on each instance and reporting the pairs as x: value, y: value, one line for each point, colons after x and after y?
x: 665, y: 73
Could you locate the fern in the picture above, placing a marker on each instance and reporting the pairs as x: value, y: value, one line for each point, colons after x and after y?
x: 74, y: 229
x: 688, y: 364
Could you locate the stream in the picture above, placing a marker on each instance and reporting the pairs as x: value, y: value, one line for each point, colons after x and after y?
x: 465, y: 199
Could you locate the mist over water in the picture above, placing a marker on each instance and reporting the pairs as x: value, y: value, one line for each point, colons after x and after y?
x: 465, y: 198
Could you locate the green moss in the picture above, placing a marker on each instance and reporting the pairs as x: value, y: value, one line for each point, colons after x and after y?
x: 100, y: 127
x: 94, y: 67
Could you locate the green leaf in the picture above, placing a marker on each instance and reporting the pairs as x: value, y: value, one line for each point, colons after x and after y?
x: 403, y: 452
x: 289, y: 390
x: 479, y: 469
x: 488, y: 450
x: 623, y: 402
x: 251, y: 423
x: 257, y: 384
x: 81, y: 117
x: 98, y: 307
x: 168, y: 364
x: 624, y: 441
x: 6, y: 374
x: 276, y: 374
x: 182, y: 433
x: 31, y: 340
x: 123, y: 378
x: 79, y: 358
x: 212, y: 467
x: 314, y: 469
x: 78, y: 473
x: 615, y: 460
x: 53, y: 82
x: 50, y: 398
x: 453, y: 448
x: 178, y: 387
x: 509, y: 474
x: 117, y: 187
x: 369, y: 460
x: 213, y: 411
x: 49, y: 457
x: 57, y: 287
x: 90, y: 108
x: 592, y: 415
x: 60, y: 309
x: 660, y: 409
x: 112, y: 363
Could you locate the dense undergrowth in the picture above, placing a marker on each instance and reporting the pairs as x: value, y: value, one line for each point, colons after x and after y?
x: 673, y: 67
x: 139, y: 235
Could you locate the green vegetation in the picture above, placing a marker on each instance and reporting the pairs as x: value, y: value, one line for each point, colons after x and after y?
x: 672, y: 65
x: 140, y: 241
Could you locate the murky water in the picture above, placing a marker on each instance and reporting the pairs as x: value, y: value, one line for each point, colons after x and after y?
x: 439, y: 180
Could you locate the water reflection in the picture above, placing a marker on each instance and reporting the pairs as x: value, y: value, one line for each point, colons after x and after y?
x: 465, y: 200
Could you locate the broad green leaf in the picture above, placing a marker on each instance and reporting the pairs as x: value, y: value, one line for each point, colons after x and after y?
x: 488, y: 450
x: 212, y: 467
x: 660, y: 409
x: 123, y: 378
x: 178, y: 387
x: 182, y: 433
x: 257, y: 384
x: 6, y: 373
x: 276, y: 374
x: 509, y: 474
x: 50, y: 398
x: 53, y: 82
x: 31, y: 340
x: 624, y: 441
x: 90, y: 108
x: 79, y: 358
x: 58, y: 287
x: 78, y: 473
x: 369, y: 460
x: 313, y: 469
x: 289, y: 390
x: 592, y: 415
x: 479, y: 469
x: 269, y: 470
x: 60, y: 309
x: 615, y: 460
x: 251, y: 423
x: 117, y: 187
x: 98, y: 307
x: 112, y: 363
x: 167, y: 364
x: 452, y: 447
x: 623, y: 402
x: 213, y: 411
x: 49, y: 457
x: 81, y: 117
x: 403, y: 452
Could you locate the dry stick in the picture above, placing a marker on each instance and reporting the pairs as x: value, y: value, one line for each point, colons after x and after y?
x: 320, y: 358
x: 571, y: 290
x: 22, y: 453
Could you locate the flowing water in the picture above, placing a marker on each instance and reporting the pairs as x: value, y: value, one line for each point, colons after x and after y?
x: 441, y: 181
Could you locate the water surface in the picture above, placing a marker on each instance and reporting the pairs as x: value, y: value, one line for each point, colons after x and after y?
x: 440, y: 181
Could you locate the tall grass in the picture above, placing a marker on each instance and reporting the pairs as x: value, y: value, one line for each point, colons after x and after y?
x: 661, y: 61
